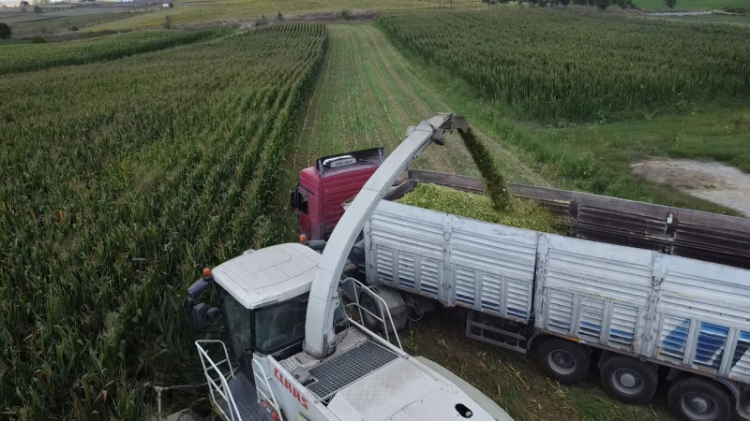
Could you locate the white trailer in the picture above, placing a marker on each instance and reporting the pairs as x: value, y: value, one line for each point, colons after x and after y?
x: 639, y: 309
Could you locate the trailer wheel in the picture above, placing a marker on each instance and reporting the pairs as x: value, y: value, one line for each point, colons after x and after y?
x: 629, y: 380
x: 368, y: 303
x: 565, y: 361
x: 697, y: 399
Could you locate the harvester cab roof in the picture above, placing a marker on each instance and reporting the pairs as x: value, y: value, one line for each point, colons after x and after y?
x: 267, y: 276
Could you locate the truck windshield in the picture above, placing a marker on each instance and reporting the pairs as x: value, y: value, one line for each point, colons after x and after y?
x: 281, y: 325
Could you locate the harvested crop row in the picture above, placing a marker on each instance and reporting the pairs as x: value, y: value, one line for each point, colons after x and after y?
x: 118, y: 187
x: 553, y: 65
x: 24, y: 57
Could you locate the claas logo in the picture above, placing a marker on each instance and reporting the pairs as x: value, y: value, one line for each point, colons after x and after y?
x: 302, y: 400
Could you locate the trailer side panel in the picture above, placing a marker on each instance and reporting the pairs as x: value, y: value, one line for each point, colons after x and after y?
x: 669, y: 309
x: 482, y: 266
x: 596, y: 292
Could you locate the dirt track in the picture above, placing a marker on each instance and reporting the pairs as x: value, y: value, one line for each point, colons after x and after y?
x: 711, y: 181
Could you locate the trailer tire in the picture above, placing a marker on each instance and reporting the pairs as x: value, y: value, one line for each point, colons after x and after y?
x: 698, y: 399
x: 629, y: 380
x: 565, y: 361
x: 369, y: 303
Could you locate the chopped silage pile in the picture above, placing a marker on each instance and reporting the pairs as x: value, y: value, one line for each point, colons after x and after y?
x: 519, y: 213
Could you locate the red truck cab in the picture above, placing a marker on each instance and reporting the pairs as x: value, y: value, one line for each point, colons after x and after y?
x: 322, y: 189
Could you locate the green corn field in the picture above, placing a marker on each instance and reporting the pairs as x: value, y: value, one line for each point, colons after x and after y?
x: 120, y: 180
x: 21, y: 58
x: 558, y: 65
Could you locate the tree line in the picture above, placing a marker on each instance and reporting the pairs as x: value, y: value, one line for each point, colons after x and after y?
x: 602, y: 4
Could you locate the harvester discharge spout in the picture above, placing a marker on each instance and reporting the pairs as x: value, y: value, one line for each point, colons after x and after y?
x: 324, y: 297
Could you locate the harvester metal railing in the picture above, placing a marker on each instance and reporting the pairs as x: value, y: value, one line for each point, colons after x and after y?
x: 262, y: 381
x: 384, y: 318
x: 222, y: 389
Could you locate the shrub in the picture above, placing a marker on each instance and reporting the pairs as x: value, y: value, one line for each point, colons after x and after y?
x: 39, y: 40
x: 37, y: 9
x: 167, y: 22
x: 670, y: 3
x: 346, y: 14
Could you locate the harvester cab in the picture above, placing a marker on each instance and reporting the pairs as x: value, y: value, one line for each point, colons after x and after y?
x: 295, y: 352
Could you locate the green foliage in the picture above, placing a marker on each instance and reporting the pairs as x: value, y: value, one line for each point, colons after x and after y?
x: 561, y: 65
x: 117, y: 187
x: 602, y: 4
x: 21, y: 58
x: 167, y: 22
x: 38, y: 40
x: 5, y: 31
x: 670, y: 3
x: 521, y: 214
x: 346, y: 14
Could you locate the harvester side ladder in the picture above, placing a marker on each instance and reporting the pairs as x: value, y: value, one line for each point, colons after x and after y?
x: 261, y: 383
x: 217, y: 381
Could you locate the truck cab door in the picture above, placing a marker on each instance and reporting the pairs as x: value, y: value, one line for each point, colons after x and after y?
x: 300, y: 205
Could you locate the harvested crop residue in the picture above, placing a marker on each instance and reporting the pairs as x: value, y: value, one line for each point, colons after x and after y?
x: 520, y: 213
x: 711, y: 181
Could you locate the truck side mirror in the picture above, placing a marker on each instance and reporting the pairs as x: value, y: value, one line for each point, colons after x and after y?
x: 204, y: 316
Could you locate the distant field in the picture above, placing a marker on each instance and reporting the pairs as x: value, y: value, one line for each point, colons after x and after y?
x: 189, y: 12
x: 24, y: 24
x: 692, y: 4
x: 556, y: 66
x: 19, y: 58
x: 120, y: 179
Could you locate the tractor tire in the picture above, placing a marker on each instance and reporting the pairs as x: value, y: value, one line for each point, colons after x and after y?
x: 369, y: 303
